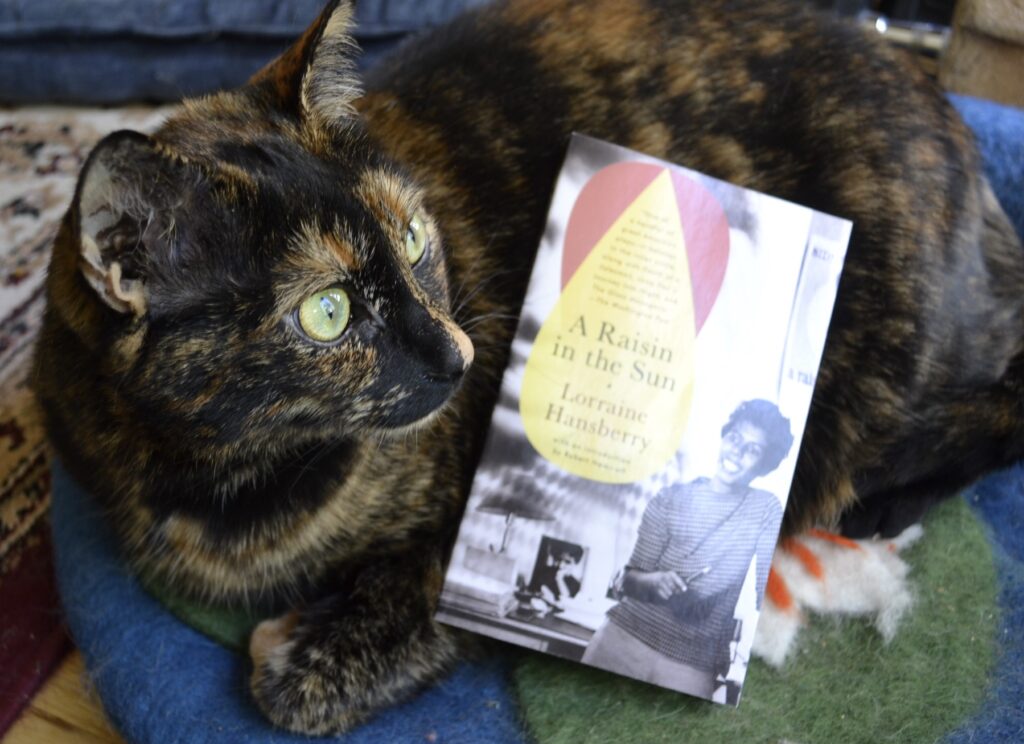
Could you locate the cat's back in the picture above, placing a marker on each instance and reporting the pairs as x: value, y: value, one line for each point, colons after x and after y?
x: 771, y: 96
x: 749, y: 91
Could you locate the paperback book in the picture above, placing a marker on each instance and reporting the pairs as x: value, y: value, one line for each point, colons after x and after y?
x: 632, y: 486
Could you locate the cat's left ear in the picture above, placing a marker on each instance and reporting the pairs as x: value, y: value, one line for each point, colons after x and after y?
x: 124, y: 208
x: 316, y: 77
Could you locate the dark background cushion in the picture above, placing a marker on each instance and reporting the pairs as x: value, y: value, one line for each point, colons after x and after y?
x: 111, y: 51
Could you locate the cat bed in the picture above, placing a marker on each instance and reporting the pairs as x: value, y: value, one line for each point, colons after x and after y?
x: 951, y: 669
x: 999, y: 132
x: 107, y: 51
x: 163, y: 682
x: 954, y: 671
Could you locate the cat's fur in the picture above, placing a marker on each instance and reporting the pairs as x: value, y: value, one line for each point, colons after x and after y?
x: 243, y: 462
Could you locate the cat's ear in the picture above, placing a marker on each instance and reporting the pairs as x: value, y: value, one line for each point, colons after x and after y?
x: 123, y: 212
x: 316, y: 77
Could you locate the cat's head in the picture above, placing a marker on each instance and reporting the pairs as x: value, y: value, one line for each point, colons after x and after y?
x: 259, y: 269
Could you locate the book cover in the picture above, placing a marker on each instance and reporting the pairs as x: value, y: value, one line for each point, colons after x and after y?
x: 638, y: 461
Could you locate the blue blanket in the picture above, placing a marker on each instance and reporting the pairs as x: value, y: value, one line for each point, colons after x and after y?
x: 163, y: 682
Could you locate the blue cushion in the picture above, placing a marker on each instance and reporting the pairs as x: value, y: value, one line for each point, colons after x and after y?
x: 999, y: 132
x: 197, y: 18
x: 162, y: 682
x: 108, y: 51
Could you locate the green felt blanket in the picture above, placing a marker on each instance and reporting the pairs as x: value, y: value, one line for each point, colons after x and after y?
x: 843, y: 684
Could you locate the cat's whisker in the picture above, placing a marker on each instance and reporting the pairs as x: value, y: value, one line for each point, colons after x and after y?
x: 458, y: 300
x: 476, y: 291
x: 320, y: 451
x: 469, y: 325
x: 470, y: 271
x: 479, y: 285
x: 491, y: 316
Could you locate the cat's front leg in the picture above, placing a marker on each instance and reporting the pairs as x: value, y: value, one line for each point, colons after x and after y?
x: 371, y: 644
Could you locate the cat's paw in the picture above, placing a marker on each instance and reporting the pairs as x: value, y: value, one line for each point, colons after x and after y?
x: 297, y: 687
x: 886, y: 516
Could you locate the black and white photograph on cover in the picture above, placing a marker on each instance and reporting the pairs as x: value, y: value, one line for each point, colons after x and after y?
x: 557, y: 573
x: 679, y: 621
x: 525, y: 569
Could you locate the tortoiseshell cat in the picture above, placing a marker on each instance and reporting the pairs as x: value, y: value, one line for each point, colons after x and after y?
x: 252, y: 350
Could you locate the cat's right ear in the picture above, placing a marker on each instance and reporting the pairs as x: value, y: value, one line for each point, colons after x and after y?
x: 316, y: 77
x: 123, y: 214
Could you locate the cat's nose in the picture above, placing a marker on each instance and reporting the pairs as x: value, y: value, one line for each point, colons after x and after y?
x: 454, y: 356
x: 443, y: 348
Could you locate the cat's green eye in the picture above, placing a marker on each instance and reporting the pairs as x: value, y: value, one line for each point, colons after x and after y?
x: 325, y: 315
x: 415, y: 239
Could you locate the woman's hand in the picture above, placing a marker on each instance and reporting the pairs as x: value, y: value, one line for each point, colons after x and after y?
x: 652, y: 586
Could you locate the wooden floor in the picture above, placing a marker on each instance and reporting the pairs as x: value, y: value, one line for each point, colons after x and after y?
x: 65, y: 711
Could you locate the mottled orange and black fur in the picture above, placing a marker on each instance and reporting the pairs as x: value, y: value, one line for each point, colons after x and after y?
x: 246, y: 463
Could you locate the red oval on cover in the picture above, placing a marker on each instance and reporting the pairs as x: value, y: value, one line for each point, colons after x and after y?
x: 608, y: 194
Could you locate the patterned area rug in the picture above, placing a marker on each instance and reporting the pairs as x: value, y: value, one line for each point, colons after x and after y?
x: 41, y: 152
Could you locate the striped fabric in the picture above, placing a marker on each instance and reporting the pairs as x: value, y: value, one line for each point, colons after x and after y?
x: 687, y: 528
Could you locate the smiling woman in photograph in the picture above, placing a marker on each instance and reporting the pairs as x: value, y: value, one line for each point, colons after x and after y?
x: 693, y: 550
